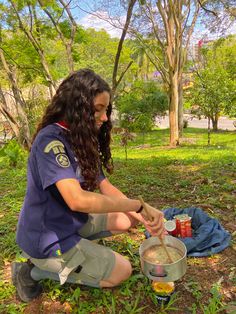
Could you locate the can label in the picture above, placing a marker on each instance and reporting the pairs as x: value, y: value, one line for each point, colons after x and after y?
x: 183, y: 225
x: 163, y: 299
x: 188, y: 227
x: 163, y: 291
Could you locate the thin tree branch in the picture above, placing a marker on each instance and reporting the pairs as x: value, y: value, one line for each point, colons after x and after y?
x: 108, y: 20
x: 155, y: 26
x: 191, y: 28
x: 164, y: 19
x: 120, y: 45
x: 231, y: 11
x: 157, y: 63
x: 187, y: 16
x: 53, y: 21
x: 123, y: 73
x: 27, y: 33
x: 31, y: 17
x: 18, y: 65
x: 7, y: 114
x: 207, y: 10
x: 74, y: 24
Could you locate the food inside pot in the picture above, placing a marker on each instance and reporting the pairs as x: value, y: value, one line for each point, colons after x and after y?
x: 156, y: 254
x: 163, y: 288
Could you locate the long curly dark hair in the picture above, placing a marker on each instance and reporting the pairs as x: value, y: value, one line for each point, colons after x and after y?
x: 74, y: 103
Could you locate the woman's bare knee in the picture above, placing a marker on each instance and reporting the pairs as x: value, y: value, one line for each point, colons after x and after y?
x: 121, y: 271
x: 118, y: 222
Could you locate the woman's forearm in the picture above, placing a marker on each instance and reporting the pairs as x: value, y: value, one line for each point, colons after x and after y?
x: 97, y: 203
x: 89, y: 202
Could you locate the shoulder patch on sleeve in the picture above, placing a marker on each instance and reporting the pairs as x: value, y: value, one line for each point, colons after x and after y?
x: 63, y: 160
x: 57, y: 147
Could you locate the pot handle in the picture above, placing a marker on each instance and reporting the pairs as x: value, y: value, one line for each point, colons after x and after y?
x: 158, y: 275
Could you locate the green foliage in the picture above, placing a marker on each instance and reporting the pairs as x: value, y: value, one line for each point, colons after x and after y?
x: 80, y: 35
x: 24, y: 55
x: 7, y: 291
x: 171, y: 305
x: 214, y: 305
x: 142, y: 2
x: 34, y: 110
x: 65, y: 28
x: 133, y: 307
x: 215, y: 80
x: 18, y: 51
x: 142, y: 67
x: 143, y: 123
x: 13, y: 153
x: 98, y: 51
x: 139, y: 107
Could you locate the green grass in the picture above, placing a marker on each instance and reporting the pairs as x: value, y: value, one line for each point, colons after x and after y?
x: 192, y: 174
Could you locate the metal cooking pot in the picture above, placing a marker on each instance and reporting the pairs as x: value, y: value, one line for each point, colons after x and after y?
x: 165, y: 272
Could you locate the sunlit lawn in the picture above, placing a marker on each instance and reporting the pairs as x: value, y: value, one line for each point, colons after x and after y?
x: 190, y: 175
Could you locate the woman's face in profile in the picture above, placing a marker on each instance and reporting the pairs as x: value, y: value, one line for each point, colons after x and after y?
x: 101, y: 103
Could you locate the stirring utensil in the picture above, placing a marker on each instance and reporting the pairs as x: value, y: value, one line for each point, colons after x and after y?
x: 161, y: 240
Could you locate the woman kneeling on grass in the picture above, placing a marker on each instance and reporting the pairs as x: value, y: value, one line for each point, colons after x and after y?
x: 62, y: 214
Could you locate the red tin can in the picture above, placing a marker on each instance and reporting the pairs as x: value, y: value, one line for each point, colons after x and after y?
x: 185, y: 229
x: 170, y: 226
x: 183, y: 225
x: 182, y: 228
x: 177, y: 221
x: 188, y: 227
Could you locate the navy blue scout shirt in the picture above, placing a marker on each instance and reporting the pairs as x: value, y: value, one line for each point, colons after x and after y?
x: 46, y: 226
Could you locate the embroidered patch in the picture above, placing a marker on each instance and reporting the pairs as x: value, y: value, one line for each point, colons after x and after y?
x: 57, y: 147
x: 63, y: 160
x: 58, y: 252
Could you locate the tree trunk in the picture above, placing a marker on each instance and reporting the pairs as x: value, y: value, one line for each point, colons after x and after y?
x: 180, y: 107
x: 209, y: 132
x: 173, y: 111
x: 69, y: 57
x: 72, y: 33
x: 214, y: 120
x: 24, y: 136
x: 11, y: 120
x: 48, y: 77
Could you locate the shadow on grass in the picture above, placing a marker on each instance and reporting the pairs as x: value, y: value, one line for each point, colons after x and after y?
x: 172, y: 181
x: 219, y: 146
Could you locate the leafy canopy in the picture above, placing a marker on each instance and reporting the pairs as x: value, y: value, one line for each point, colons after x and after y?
x: 139, y: 107
x: 215, y: 80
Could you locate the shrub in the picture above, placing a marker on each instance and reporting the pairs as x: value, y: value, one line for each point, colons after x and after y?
x: 13, y: 152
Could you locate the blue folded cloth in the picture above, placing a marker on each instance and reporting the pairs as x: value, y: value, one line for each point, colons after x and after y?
x: 209, y: 237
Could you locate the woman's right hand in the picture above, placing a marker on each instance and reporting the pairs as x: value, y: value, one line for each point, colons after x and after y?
x: 154, y: 220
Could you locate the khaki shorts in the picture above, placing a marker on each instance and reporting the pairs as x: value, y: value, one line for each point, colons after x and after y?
x: 87, y: 262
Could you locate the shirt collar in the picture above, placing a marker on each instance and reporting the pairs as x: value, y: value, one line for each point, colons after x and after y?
x: 63, y: 125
